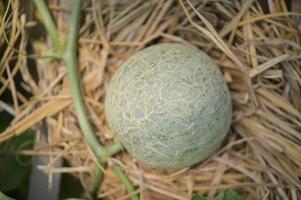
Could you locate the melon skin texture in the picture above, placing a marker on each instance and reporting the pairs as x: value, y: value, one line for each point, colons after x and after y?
x: 169, y: 105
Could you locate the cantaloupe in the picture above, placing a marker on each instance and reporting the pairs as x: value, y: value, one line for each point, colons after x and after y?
x: 169, y: 105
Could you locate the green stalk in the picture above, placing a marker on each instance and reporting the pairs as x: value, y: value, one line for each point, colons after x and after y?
x: 95, y: 181
x: 70, y: 59
x: 125, y: 180
x: 76, y: 90
x: 49, y: 24
x: 97, y: 174
x: 78, y: 100
x: 114, y: 149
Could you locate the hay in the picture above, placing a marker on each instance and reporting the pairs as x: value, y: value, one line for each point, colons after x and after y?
x: 258, y: 53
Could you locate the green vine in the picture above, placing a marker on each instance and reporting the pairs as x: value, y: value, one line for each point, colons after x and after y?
x: 125, y: 180
x: 68, y: 54
x: 48, y: 22
x: 70, y: 59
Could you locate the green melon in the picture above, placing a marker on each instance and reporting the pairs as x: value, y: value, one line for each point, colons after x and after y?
x: 169, y: 105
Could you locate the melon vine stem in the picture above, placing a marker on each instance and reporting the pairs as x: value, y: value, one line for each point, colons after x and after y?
x: 69, y: 55
x: 70, y: 59
x: 48, y: 22
x: 125, y: 180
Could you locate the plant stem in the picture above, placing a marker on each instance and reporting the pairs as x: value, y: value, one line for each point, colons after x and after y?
x: 78, y: 100
x: 113, y: 149
x: 70, y: 59
x: 95, y: 180
x: 49, y: 24
x: 76, y: 89
x: 97, y: 174
x: 125, y: 180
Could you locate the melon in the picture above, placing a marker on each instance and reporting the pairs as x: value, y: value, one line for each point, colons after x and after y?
x: 169, y: 105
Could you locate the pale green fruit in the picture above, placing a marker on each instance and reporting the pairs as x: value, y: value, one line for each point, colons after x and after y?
x: 169, y: 105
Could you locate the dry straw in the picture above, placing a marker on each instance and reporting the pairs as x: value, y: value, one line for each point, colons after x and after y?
x: 259, y: 54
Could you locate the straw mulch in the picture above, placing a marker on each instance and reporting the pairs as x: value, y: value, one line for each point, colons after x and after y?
x: 258, y: 53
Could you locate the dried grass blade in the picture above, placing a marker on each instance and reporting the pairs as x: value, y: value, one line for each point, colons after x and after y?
x: 271, y: 63
x: 235, y: 22
x: 279, y: 101
x: 46, y: 110
x: 271, y: 15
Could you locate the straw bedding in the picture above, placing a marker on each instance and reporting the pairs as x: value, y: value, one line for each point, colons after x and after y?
x: 257, y: 51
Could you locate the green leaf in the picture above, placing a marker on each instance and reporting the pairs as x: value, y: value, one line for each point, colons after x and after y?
x: 14, y: 169
x: 4, y: 197
x: 228, y: 195
x: 198, y: 197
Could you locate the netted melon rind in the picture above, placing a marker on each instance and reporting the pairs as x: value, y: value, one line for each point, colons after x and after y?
x: 169, y: 105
